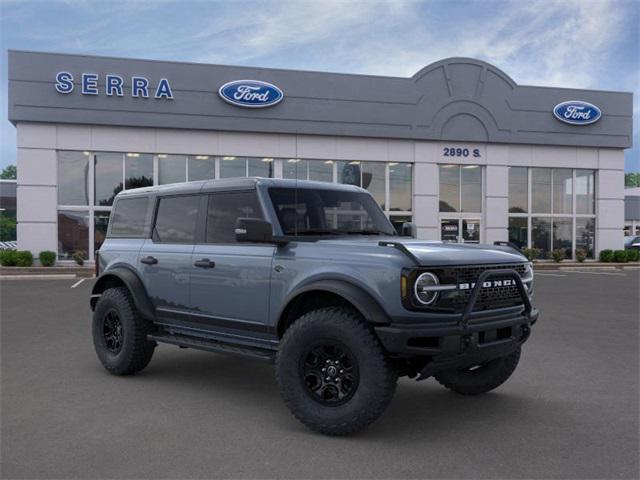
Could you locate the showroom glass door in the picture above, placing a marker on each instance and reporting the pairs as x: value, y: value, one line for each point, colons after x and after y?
x: 460, y: 230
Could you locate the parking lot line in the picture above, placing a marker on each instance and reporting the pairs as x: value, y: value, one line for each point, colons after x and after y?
x: 600, y: 273
x: 537, y: 274
x: 78, y: 283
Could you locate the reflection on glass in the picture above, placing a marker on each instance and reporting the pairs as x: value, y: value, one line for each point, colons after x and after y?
x: 373, y: 179
x: 585, y: 235
x: 100, y: 222
x: 73, y: 178
x: 233, y: 167
x: 138, y: 170
x: 562, y: 190
x: 294, y: 168
x: 399, y: 220
x: 518, y: 190
x: 518, y: 231
x: 320, y: 170
x: 562, y: 233
x: 585, y: 191
x: 349, y: 173
x: 260, y: 167
x: 541, y: 190
x: 541, y: 235
x: 108, y: 177
x: 449, y: 188
x: 171, y: 169
x: 73, y: 233
x: 471, y: 188
x: 400, y: 182
x: 201, y: 167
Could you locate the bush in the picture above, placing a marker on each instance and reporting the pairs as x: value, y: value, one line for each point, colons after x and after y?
x: 47, y: 258
x: 620, y: 256
x: 606, y: 256
x: 581, y: 254
x: 633, y: 255
x: 531, y: 253
x: 8, y: 258
x: 24, y: 258
x: 79, y: 256
x: 558, y: 255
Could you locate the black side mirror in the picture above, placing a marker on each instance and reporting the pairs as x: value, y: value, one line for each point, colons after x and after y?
x: 408, y: 230
x: 253, y: 230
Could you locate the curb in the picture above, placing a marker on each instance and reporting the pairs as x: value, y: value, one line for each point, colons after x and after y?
x: 52, y: 276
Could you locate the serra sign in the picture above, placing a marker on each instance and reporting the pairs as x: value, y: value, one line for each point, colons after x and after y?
x: 113, y: 85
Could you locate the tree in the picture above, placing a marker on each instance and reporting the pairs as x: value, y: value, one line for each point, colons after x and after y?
x: 632, y: 180
x: 9, y: 173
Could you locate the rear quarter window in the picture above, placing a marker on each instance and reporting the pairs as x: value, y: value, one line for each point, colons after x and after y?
x: 129, y: 218
x: 176, y: 219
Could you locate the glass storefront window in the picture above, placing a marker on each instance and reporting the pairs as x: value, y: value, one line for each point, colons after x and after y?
x: 73, y: 178
x: 541, y: 235
x: 449, y: 188
x: 108, y: 178
x: 518, y: 190
x: 471, y: 191
x: 138, y: 170
x: 201, y: 167
x: 399, y: 220
x: 349, y: 173
x: 295, y: 168
x: 233, y: 167
x: 171, y: 169
x: 100, y: 222
x: 373, y: 179
x: 518, y: 231
x: 562, y: 235
x: 320, y: 170
x: 73, y: 233
x: 260, y: 167
x: 541, y: 190
x: 562, y: 190
x: 585, y: 235
x: 400, y: 188
x: 585, y: 192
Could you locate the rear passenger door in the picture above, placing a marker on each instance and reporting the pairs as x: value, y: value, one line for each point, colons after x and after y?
x: 165, y: 259
x: 230, y: 281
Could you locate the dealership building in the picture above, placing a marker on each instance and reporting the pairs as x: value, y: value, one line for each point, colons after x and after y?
x: 459, y: 149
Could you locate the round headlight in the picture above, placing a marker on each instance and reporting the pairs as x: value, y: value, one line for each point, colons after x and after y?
x: 423, y: 293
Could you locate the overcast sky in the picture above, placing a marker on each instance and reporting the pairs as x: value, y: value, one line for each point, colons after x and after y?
x: 565, y: 43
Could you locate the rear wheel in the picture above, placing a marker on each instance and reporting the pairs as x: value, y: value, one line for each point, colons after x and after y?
x: 333, y: 373
x: 480, y: 378
x: 120, y: 333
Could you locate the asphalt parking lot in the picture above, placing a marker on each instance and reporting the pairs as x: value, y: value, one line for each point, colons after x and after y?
x: 569, y: 411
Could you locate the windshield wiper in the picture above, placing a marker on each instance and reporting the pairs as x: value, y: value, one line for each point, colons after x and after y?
x: 366, y: 232
x: 317, y: 231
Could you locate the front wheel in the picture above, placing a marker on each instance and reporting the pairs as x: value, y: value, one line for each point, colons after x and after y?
x: 333, y: 373
x: 480, y: 378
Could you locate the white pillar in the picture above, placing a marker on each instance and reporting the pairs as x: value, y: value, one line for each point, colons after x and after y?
x: 610, y: 200
x: 496, y: 203
x: 426, y: 191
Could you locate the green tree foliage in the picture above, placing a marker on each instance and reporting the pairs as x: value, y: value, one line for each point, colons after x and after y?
x: 632, y: 180
x: 9, y: 173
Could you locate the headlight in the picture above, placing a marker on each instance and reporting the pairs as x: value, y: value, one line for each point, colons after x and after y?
x: 527, y: 278
x: 424, y: 289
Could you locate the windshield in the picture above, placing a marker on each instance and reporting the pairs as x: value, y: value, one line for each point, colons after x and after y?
x: 307, y: 211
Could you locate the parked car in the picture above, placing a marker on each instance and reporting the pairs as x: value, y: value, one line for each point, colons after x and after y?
x: 312, y: 277
x: 632, y: 242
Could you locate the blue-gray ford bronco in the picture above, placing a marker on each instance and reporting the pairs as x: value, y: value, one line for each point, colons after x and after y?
x: 313, y: 277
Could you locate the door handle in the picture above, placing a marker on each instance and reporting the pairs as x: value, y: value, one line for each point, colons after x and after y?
x: 149, y: 260
x: 204, y: 263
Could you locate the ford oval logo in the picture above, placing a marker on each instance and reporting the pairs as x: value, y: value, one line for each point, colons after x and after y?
x: 577, y: 112
x: 250, y: 93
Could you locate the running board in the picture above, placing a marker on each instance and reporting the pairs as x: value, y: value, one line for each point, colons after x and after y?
x: 208, y: 345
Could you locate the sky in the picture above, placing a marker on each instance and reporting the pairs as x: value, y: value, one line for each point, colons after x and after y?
x: 565, y: 43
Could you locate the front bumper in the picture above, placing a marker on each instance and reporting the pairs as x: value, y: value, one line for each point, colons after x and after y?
x: 474, y: 338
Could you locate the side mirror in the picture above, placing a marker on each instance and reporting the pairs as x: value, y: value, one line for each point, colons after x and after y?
x: 506, y: 244
x: 408, y: 230
x: 253, y: 230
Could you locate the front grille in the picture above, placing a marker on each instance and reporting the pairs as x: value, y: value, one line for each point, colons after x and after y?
x: 491, y: 297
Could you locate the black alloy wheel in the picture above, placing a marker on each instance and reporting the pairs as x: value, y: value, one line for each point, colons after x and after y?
x: 112, y: 331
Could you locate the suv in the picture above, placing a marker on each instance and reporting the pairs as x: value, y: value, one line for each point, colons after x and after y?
x: 313, y: 277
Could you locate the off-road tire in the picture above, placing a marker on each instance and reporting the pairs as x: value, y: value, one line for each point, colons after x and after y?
x: 482, y: 379
x: 376, y: 381
x: 136, y: 351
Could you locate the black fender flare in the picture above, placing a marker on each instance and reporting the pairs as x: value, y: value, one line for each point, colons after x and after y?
x: 368, y: 306
x: 133, y: 283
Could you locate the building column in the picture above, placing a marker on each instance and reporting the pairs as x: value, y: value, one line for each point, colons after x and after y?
x: 36, y: 195
x: 496, y: 204
x: 610, y: 200
x: 426, y: 192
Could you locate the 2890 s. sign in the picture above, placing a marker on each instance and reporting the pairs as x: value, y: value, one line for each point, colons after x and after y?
x: 250, y: 93
x: 577, y: 112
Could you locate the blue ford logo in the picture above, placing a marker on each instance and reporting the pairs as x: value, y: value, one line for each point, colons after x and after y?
x: 576, y: 112
x: 250, y: 93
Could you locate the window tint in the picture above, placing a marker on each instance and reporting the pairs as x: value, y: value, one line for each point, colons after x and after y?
x: 225, y: 209
x: 129, y: 217
x: 176, y: 219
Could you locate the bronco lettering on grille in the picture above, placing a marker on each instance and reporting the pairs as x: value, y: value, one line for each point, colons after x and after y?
x: 487, y: 284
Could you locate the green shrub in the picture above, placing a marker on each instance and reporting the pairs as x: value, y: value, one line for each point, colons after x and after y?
x: 8, y: 258
x: 531, y: 253
x: 620, y: 256
x: 581, y: 254
x: 606, y: 256
x: 47, y: 258
x: 24, y: 258
x: 633, y: 255
x: 558, y: 255
x: 79, y: 256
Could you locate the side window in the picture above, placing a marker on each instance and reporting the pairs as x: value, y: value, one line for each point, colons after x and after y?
x: 225, y: 209
x: 176, y: 219
x: 129, y: 217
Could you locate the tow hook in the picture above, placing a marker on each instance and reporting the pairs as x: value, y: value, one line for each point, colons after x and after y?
x: 464, y: 344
